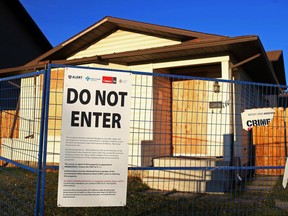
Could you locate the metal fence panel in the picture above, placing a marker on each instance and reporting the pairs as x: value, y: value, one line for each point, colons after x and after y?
x: 20, y: 122
x: 188, y: 152
x: 17, y: 189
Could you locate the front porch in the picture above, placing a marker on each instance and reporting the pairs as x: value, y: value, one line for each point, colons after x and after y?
x: 189, y: 174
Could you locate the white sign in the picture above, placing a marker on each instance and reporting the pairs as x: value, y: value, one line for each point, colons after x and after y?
x: 257, y: 117
x: 94, y: 140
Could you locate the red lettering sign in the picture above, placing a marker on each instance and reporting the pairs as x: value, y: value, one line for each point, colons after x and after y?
x: 109, y: 80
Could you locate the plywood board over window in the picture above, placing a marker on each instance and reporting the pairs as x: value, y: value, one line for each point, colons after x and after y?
x: 8, y: 122
x: 189, y: 117
x: 55, y: 101
x: 55, y: 105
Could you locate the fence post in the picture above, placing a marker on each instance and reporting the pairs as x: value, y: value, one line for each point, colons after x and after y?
x: 41, y: 171
x: 45, y: 133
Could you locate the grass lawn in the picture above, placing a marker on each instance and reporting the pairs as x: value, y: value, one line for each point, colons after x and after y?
x: 17, y: 192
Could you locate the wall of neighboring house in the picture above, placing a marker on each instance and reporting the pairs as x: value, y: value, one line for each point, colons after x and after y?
x: 21, y: 39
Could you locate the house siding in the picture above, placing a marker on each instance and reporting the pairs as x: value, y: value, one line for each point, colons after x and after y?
x: 244, y: 99
x: 121, y: 41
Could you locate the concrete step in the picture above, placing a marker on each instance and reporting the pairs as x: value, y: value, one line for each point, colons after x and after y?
x: 198, y: 181
x: 217, y: 175
x: 265, y: 178
x: 180, y: 174
x: 259, y: 188
x: 196, y: 186
x: 178, y: 185
x: 262, y: 183
x: 186, y: 162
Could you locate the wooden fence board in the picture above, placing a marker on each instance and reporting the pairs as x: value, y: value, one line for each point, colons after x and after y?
x: 270, y: 144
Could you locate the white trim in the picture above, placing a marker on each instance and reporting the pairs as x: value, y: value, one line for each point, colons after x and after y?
x: 84, y: 32
x: 194, y: 155
x: 191, y: 62
x: 225, y: 70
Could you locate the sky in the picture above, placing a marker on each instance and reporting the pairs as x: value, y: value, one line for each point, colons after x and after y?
x: 60, y: 20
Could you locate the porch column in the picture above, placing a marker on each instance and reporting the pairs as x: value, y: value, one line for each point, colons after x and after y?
x: 225, y: 74
x: 228, y: 139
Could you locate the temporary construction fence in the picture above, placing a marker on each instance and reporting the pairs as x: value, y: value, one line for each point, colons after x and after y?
x: 188, y: 151
x: 22, y: 125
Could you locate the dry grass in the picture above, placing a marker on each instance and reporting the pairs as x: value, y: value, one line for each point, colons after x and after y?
x: 17, y: 192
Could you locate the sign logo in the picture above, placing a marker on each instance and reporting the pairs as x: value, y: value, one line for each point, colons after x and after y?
x: 123, y: 81
x: 109, y: 80
x: 74, y: 77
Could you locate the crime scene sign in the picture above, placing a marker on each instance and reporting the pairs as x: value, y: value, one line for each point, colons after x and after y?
x: 256, y: 117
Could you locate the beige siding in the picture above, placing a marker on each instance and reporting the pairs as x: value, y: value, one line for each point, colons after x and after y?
x: 141, y: 126
x: 121, y: 41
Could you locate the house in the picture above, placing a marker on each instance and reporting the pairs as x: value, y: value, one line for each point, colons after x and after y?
x: 114, y: 43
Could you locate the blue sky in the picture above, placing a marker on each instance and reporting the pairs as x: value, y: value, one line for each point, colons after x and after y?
x: 61, y: 19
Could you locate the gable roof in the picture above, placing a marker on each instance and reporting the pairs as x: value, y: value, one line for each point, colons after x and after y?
x: 110, y: 24
x: 193, y: 45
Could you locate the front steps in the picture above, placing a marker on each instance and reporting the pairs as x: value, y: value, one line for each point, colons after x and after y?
x: 207, y: 180
x: 262, y: 184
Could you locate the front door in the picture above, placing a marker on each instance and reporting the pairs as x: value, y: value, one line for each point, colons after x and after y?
x: 189, y: 118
